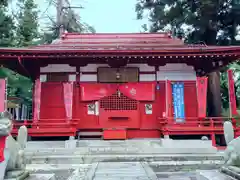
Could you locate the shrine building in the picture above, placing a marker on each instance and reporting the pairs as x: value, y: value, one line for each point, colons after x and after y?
x: 121, y: 86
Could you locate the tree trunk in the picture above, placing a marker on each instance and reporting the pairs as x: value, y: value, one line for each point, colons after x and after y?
x: 214, y: 102
x: 214, y: 95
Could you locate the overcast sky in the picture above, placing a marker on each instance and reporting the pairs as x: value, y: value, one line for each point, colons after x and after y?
x: 103, y: 15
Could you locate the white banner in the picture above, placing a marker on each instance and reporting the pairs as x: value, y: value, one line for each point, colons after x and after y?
x: 37, y: 100
x: 68, y: 99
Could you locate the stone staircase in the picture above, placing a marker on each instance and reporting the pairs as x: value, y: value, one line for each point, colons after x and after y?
x: 157, y: 154
x: 129, y: 159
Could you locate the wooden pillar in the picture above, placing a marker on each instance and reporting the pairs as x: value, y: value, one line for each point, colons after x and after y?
x: 232, y: 98
x: 3, y: 107
x: 17, y: 112
x: 231, y: 94
x: 169, y: 103
x: 77, y: 92
x: 22, y: 112
x: 214, y: 95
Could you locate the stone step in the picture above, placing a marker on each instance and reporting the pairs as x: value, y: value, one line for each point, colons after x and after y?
x: 174, y: 166
x: 113, y: 170
x: 87, y: 159
x: 117, y: 150
x: 193, y: 175
x: 54, y: 167
x: 41, y: 177
x: 130, y: 170
x: 90, y: 133
x: 231, y: 171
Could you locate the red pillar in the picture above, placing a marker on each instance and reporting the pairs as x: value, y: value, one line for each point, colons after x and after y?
x: 231, y: 94
x: 202, y: 83
x: 2, y: 109
x: 232, y: 97
x: 169, y: 101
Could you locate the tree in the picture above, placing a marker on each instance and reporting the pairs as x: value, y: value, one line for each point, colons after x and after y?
x: 6, y: 26
x: 71, y: 23
x: 27, y: 23
x: 18, y: 86
x: 209, y: 22
x: 196, y: 20
x: 22, y: 34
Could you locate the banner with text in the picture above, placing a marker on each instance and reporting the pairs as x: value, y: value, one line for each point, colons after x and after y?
x: 68, y: 99
x: 37, y: 100
x: 202, y: 83
x: 231, y: 94
x: 178, y: 101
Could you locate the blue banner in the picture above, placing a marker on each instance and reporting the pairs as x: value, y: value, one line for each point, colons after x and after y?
x: 178, y: 101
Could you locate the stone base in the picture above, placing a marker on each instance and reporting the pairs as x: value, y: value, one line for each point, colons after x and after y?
x: 170, y: 143
x: 70, y: 144
x: 16, y: 175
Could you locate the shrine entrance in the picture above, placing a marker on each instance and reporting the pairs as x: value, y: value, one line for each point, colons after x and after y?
x: 119, y: 111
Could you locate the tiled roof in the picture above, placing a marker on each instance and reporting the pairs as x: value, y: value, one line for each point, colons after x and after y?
x: 119, y: 44
x: 127, y: 41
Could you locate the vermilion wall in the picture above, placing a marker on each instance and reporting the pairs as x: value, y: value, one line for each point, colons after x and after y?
x: 52, y: 103
x: 52, y: 107
x: 190, y: 99
x: 150, y: 121
x: 140, y: 125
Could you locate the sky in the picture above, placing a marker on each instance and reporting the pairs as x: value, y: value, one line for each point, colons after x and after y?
x: 106, y: 16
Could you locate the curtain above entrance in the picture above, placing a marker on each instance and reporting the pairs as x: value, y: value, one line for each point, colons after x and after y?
x: 137, y: 91
x: 91, y: 92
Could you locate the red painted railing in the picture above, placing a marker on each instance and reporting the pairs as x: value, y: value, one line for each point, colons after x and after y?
x: 47, y: 127
x: 168, y: 126
x: 30, y: 122
x: 197, y: 122
x: 2, y: 147
x: 197, y: 126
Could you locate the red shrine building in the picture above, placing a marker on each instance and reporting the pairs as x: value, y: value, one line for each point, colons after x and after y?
x: 121, y: 86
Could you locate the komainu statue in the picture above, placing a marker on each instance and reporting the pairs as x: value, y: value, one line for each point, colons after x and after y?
x: 14, y: 160
x: 232, y: 152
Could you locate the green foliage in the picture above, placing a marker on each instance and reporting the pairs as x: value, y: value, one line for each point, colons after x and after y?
x: 210, y: 22
x: 224, y: 86
x: 6, y: 27
x: 204, y: 18
x: 20, y: 31
x: 27, y: 26
x: 18, y: 86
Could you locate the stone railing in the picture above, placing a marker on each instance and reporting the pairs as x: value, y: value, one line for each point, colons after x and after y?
x: 232, y: 152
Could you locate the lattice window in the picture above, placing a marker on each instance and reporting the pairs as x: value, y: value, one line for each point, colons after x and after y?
x: 118, y: 101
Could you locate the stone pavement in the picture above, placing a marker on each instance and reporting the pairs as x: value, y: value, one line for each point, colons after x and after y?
x: 123, y: 170
x: 119, y: 171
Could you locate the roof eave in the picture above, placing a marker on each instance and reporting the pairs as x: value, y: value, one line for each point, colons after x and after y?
x: 41, y: 53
